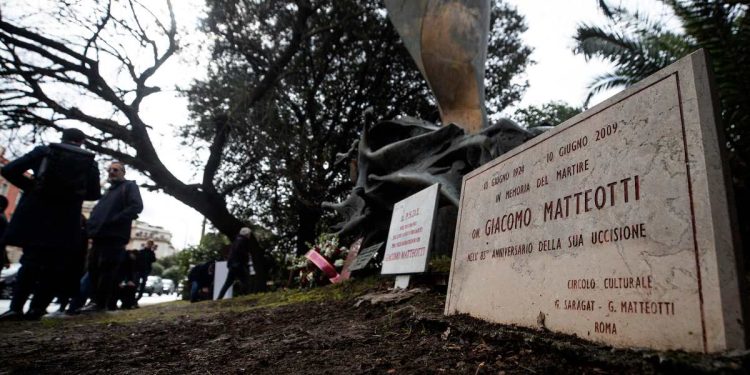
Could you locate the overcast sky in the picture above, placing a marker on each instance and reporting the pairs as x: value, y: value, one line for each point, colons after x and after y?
x: 557, y: 75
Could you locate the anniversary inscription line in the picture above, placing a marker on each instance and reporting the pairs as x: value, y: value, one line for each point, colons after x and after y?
x: 623, y: 191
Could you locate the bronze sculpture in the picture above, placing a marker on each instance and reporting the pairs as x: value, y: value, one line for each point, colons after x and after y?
x: 448, y: 41
x: 398, y: 157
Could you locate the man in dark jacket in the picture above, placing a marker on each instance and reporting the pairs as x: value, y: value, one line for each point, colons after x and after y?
x: 201, y: 278
x: 109, y: 228
x: 46, y: 222
x: 238, y: 262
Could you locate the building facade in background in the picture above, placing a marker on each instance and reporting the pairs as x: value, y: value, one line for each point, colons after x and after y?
x: 141, y: 232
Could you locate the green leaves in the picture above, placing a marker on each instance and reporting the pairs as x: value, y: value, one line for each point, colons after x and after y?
x: 279, y: 161
x: 548, y: 114
x: 635, y: 44
x: 639, y: 47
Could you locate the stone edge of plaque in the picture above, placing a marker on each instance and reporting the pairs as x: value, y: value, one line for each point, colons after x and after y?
x: 714, y: 225
x: 432, y: 231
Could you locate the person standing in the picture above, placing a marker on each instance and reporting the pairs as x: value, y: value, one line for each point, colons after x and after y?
x: 200, y: 279
x: 47, y: 219
x: 109, y: 228
x: 3, y: 225
x: 146, y: 257
x: 239, y: 257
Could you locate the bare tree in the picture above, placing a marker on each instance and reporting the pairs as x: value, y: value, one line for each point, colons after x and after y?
x: 115, y: 48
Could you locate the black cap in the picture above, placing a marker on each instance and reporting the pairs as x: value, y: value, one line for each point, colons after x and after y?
x: 73, y: 135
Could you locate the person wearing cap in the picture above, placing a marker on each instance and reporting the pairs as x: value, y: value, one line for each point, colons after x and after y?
x: 238, y: 263
x: 46, y: 222
x: 109, y: 229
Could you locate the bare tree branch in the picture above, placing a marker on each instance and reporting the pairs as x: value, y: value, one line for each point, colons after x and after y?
x: 265, y: 85
x: 99, y: 27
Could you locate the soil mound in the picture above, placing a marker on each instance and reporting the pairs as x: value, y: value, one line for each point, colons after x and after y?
x: 330, y: 330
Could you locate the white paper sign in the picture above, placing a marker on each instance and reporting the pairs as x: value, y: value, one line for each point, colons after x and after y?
x: 410, y: 233
x: 220, y: 276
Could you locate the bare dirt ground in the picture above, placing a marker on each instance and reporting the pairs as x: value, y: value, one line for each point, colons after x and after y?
x: 321, y: 332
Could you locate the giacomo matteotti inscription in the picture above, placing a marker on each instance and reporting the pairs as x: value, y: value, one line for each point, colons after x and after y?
x: 614, y: 226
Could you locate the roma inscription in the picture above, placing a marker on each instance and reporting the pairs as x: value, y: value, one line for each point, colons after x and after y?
x: 610, y: 225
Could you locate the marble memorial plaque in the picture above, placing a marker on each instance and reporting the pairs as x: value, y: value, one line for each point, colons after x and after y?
x: 409, y: 235
x: 614, y: 226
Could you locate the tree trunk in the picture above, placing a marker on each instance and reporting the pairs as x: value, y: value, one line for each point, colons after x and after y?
x: 214, y: 208
x: 307, y: 218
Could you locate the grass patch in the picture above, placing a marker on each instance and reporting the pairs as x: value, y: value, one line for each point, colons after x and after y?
x: 184, y: 309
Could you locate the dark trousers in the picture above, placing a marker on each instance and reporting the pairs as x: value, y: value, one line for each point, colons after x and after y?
x: 194, y: 291
x: 126, y: 294
x: 83, y: 294
x: 103, y: 271
x: 142, y: 277
x: 71, y: 278
x: 237, y: 272
x: 197, y: 293
x: 41, y: 271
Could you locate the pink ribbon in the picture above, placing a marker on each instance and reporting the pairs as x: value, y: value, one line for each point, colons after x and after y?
x: 353, y: 251
x: 324, y: 266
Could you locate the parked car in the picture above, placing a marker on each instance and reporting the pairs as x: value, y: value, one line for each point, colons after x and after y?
x: 154, y: 285
x: 168, y: 286
x: 8, y: 280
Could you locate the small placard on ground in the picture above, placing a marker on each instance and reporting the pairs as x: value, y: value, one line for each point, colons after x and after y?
x: 614, y: 226
x: 220, y: 276
x: 410, y: 233
x: 365, y: 256
x: 350, y: 258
